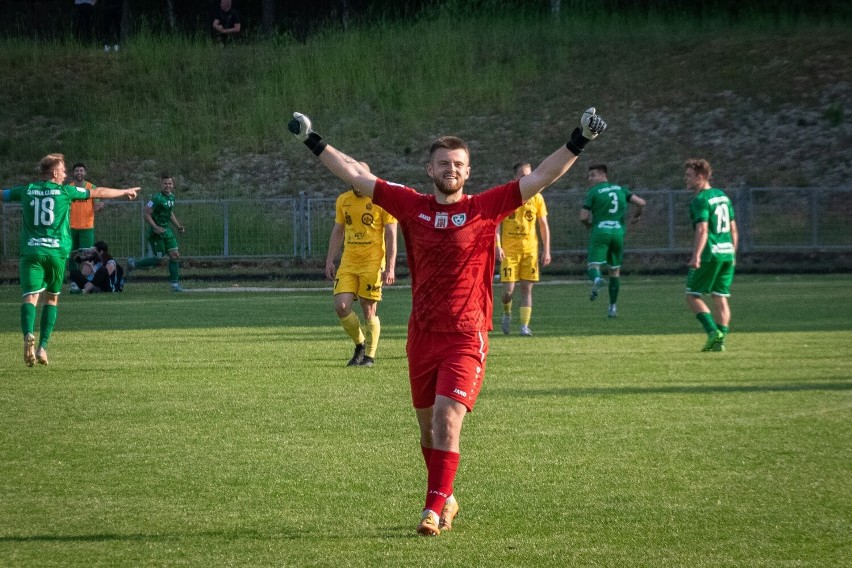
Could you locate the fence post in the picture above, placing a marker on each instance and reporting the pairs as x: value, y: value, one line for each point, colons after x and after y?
x: 743, y: 217
x: 670, y: 196
x: 812, y: 201
x: 226, y: 229
x: 142, y: 226
x: 5, y: 253
x: 304, y: 224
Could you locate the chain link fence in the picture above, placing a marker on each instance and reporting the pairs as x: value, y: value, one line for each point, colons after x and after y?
x: 769, y: 219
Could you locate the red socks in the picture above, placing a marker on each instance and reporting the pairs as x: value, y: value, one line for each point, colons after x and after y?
x: 442, y: 472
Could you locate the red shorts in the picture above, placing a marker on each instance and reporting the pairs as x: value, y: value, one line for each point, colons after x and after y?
x: 447, y: 364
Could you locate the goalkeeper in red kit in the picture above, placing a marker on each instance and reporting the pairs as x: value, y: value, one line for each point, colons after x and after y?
x: 449, y: 240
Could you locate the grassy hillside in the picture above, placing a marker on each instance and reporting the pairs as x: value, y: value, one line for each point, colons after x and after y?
x: 767, y: 102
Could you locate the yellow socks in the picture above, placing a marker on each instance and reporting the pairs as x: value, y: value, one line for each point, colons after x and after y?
x: 352, y: 326
x: 526, y: 314
x: 373, y: 328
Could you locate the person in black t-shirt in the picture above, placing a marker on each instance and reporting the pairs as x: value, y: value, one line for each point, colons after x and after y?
x: 226, y: 25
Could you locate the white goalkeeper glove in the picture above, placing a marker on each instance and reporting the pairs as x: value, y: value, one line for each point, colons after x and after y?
x: 591, y: 125
x: 300, y: 127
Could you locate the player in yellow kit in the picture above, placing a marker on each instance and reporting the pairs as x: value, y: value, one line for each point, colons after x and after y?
x: 367, y: 234
x: 517, y: 251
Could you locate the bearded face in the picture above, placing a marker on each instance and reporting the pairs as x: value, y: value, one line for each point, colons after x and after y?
x: 449, y: 170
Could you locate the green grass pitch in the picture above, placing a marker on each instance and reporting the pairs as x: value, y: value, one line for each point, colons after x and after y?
x: 210, y: 429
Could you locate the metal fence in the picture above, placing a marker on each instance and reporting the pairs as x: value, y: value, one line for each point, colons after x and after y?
x: 794, y: 219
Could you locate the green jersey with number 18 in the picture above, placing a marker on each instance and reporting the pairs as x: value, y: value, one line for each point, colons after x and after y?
x: 45, y: 211
x: 608, y: 205
x: 713, y: 207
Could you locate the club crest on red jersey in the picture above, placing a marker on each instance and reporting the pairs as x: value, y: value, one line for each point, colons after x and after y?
x: 459, y: 219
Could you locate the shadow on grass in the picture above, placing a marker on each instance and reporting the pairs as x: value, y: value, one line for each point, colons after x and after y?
x: 136, y: 537
x: 390, y: 532
x: 839, y: 385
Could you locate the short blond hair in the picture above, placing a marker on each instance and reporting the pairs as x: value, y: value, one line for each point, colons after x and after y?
x: 49, y: 163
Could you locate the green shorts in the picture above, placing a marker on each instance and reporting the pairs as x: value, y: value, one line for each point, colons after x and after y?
x: 82, y: 239
x: 163, y: 243
x: 606, y: 248
x: 712, y: 277
x: 42, y: 273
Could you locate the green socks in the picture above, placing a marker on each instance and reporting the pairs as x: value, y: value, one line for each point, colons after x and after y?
x: 706, y: 322
x: 48, y: 320
x: 614, y: 285
x: 28, y: 315
x: 174, y: 271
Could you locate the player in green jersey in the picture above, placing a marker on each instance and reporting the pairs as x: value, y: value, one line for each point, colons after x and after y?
x: 711, y: 268
x: 45, y: 244
x: 159, y: 213
x: 603, y: 211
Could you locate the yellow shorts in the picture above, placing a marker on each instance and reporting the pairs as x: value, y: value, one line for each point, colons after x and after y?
x: 364, y: 284
x: 519, y: 267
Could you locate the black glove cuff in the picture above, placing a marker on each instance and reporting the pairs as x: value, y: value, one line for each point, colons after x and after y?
x: 315, y: 143
x: 577, y: 142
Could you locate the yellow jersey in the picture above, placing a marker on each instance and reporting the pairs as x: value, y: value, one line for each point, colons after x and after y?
x: 364, y: 231
x: 518, y: 230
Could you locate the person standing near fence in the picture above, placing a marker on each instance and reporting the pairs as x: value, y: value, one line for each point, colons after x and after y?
x: 82, y: 219
x: 603, y: 211
x: 450, y: 244
x: 45, y: 244
x: 160, y: 215
x: 112, y: 24
x: 84, y: 20
x: 711, y: 268
x: 517, y: 251
x: 367, y: 235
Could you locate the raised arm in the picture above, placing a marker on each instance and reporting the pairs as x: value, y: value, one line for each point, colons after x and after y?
x: 110, y: 193
x: 554, y: 166
x: 346, y: 168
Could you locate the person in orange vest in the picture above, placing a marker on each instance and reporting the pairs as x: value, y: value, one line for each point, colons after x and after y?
x: 82, y: 218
